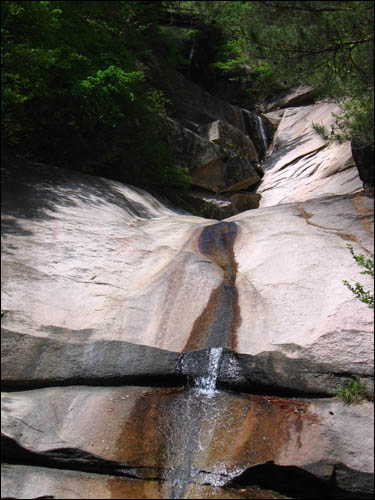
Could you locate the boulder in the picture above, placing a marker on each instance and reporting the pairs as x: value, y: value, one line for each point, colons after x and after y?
x: 231, y: 137
x: 233, y: 173
x: 205, y: 203
x: 243, y: 201
x: 212, y: 166
x: 301, y: 165
x: 274, y: 117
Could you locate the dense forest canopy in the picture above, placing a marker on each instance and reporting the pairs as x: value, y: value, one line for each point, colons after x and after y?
x: 78, y: 90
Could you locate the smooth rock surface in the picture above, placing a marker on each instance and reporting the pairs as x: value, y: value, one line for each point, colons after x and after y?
x: 103, y: 261
x: 301, y: 165
x: 133, y: 277
x: 292, y: 260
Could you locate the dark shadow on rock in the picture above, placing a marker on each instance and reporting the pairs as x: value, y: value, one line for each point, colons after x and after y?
x: 31, y: 361
x: 295, y: 482
x: 70, y: 459
x: 32, y: 190
x: 364, y: 160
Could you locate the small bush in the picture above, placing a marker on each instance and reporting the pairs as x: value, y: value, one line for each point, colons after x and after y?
x: 365, y: 296
x: 354, y: 392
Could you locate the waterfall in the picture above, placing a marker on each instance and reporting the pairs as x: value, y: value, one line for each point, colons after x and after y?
x: 253, y: 126
x: 191, y: 52
x: 206, y: 384
x: 262, y: 132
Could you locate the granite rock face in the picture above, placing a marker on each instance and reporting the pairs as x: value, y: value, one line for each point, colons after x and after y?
x: 297, y: 96
x: 117, y: 311
x: 300, y: 164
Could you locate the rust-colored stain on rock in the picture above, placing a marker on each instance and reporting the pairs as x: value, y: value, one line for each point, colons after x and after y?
x: 360, y: 204
x: 141, y: 444
x: 217, y: 325
x: 307, y: 216
x: 176, y: 430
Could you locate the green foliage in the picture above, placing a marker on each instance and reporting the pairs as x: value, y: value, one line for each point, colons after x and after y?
x: 365, y: 296
x: 354, y: 392
x: 327, y: 44
x: 355, y: 121
x: 106, y: 95
x: 75, y: 91
x: 321, y: 130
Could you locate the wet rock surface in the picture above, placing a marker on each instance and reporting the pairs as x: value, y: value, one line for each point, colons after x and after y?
x: 132, y: 431
x: 121, y: 318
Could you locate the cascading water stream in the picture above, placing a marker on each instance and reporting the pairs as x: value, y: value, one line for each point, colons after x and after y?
x: 187, y: 440
x: 253, y: 126
x: 206, y: 384
x: 262, y: 132
x: 195, y: 413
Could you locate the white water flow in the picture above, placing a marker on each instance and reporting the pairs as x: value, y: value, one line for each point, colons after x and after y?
x: 262, y: 132
x: 191, y: 52
x: 206, y: 384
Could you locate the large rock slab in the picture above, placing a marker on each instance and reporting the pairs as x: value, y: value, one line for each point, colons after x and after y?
x: 88, y: 260
x: 103, y: 284
x: 62, y: 362
x: 292, y: 260
x: 301, y: 164
x: 207, y: 438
